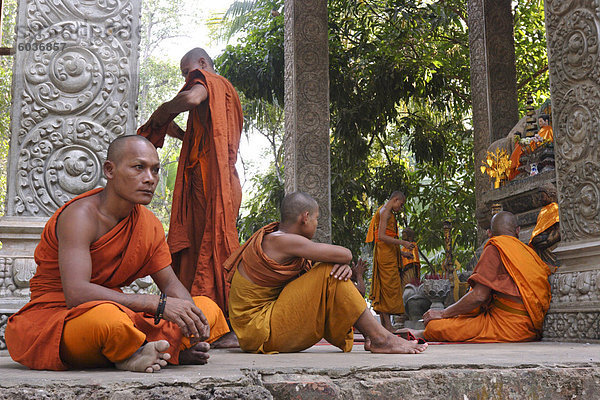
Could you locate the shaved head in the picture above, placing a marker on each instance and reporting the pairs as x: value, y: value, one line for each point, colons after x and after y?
x: 295, y: 204
x: 116, y: 148
x: 504, y: 223
x: 398, y: 194
x: 196, y: 54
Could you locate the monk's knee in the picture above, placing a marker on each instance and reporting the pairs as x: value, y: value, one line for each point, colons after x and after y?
x: 209, y: 308
x: 104, y: 318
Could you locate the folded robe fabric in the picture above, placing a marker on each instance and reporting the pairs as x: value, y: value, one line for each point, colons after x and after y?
x: 134, y: 248
x: 207, y: 193
x: 503, y: 320
x: 387, y: 285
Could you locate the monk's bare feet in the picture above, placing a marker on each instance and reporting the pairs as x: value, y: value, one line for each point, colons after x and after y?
x: 367, y: 344
x: 195, y: 355
x: 396, y: 345
x: 416, y: 333
x: 151, y: 357
x: 227, y: 341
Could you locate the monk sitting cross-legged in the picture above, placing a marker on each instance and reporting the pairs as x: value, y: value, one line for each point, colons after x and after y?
x: 279, y: 303
x: 509, y: 298
x: 102, y: 240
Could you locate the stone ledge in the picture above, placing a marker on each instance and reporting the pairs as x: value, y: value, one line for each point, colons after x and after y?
x: 459, y: 371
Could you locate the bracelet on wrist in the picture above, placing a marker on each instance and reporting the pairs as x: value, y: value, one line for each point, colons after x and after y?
x: 162, y: 301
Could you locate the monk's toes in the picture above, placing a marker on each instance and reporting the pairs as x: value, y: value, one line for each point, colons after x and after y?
x: 149, y: 369
x: 202, y: 346
x: 162, y: 363
x: 161, y: 345
x: 165, y: 356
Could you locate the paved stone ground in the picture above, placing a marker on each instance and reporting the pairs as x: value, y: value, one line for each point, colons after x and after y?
x: 540, y: 370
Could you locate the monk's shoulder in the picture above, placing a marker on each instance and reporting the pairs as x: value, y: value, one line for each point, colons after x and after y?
x: 80, y: 217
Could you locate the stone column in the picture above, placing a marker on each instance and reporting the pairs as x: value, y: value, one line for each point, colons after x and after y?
x: 493, y: 79
x: 573, y: 52
x: 306, y: 138
x: 74, y: 90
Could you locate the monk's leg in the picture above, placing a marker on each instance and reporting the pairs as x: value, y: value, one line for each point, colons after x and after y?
x: 383, y: 341
x: 314, y: 306
x: 105, y: 335
x: 385, y: 319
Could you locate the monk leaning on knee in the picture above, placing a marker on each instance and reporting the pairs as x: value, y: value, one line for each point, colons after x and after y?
x: 509, y: 298
x: 280, y: 302
x: 102, y: 240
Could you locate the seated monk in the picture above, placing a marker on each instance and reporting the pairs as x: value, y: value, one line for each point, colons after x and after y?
x: 279, y: 302
x: 509, y: 297
x: 100, y: 241
x: 546, y: 233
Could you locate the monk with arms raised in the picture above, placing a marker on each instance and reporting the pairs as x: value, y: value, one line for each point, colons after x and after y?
x: 509, y: 298
x: 207, y: 193
x: 280, y: 303
x: 102, y: 240
x: 389, y: 280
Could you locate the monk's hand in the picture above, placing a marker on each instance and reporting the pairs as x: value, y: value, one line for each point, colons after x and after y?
x: 188, y: 317
x: 343, y: 272
x: 175, y: 131
x: 431, y: 315
x: 406, y: 244
x: 406, y: 254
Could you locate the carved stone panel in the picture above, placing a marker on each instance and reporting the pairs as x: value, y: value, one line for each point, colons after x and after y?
x: 74, y: 90
x: 306, y: 140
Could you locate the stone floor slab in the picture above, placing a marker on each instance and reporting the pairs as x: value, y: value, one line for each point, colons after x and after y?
x: 541, y: 370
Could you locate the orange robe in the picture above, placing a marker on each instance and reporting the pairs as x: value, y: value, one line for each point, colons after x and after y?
x: 134, y: 248
x: 411, y: 267
x: 547, y: 217
x: 507, y: 266
x: 387, y: 284
x: 207, y: 194
x: 288, y: 308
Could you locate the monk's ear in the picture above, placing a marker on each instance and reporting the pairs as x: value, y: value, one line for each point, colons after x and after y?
x: 109, y: 169
x: 304, y: 217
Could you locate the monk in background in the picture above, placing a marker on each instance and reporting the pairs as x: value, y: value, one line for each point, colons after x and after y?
x: 100, y: 241
x: 546, y: 233
x: 281, y: 302
x: 207, y: 193
x: 509, y: 298
x: 388, y: 284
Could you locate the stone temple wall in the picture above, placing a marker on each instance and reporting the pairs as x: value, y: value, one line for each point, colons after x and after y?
x: 573, y: 37
x: 75, y: 86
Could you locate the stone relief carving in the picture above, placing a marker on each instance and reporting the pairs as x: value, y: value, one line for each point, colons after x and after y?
x: 573, y: 326
x: 72, y: 97
x: 3, y: 321
x: 7, y: 286
x: 575, y: 287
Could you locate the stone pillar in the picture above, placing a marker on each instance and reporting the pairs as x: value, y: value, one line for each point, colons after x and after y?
x: 493, y: 79
x: 74, y: 90
x: 306, y: 140
x: 573, y: 51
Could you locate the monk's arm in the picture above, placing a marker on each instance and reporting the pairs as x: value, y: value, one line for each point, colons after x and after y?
x: 475, y: 298
x: 383, y: 236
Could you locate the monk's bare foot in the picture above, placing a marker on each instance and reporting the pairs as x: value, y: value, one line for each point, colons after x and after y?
x: 151, y: 357
x: 417, y: 333
x: 195, y: 355
x: 394, y: 344
x: 227, y: 341
x: 367, y: 344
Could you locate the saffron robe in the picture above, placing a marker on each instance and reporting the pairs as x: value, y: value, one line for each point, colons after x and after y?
x: 518, y: 271
x: 387, y: 284
x: 207, y: 193
x: 293, y: 307
x: 545, y: 133
x: 134, y: 248
x: 547, y: 217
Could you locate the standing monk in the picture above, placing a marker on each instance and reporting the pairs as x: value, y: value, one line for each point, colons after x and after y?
x: 388, y: 283
x: 100, y: 241
x: 207, y: 194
